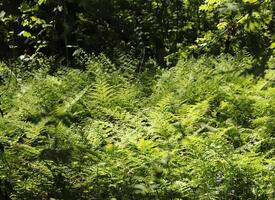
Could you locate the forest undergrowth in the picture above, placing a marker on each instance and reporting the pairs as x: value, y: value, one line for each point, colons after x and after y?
x: 204, y: 129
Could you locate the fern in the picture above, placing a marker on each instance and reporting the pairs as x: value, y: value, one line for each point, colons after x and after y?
x: 200, y: 130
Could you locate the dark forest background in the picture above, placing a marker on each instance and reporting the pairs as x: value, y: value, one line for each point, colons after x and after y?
x: 160, y: 29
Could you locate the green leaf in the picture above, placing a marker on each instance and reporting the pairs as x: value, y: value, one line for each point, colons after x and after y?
x: 250, y: 1
x: 222, y: 25
x: 24, y: 7
x: 40, y: 2
x: 243, y: 19
x: 25, y: 34
x: 272, y: 46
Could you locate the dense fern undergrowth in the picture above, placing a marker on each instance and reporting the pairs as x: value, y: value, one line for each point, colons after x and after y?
x: 201, y: 130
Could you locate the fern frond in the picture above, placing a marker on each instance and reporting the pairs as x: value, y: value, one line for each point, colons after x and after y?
x: 70, y: 103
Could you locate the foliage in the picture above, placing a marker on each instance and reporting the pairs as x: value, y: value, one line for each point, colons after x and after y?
x: 201, y: 130
x: 245, y: 24
x: 161, y: 29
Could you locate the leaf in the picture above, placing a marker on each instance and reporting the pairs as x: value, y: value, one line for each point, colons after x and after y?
x: 140, y: 187
x: 250, y: 1
x: 203, y: 7
x: 272, y: 46
x: 2, y: 14
x: 68, y: 105
x: 145, y: 145
x: 24, y: 7
x: 25, y: 34
x: 40, y: 2
x: 222, y: 25
x: 243, y: 19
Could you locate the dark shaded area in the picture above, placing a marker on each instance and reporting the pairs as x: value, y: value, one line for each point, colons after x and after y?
x: 150, y: 29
